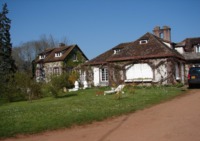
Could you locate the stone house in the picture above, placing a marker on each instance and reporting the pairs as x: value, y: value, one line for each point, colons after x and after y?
x: 152, y: 58
x: 55, y: 61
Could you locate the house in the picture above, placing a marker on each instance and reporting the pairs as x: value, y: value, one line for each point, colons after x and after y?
x: 57, y: 60
x: 190, y: 49
x: 152, y: 58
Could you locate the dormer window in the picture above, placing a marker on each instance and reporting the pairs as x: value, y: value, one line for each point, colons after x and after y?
x: 58, y: 54
x: 116, y: 51
x: 41, y: 56
x: 143, y: 41
x: 197, y: 48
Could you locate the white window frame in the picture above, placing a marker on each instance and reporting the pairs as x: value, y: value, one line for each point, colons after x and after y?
x: 58, y: 54
x: 116, y: 51
x: 104, y: 75
x: 82, y: 75
x: 42, y: 57
x: 197, y: 47
x: 143, y: 41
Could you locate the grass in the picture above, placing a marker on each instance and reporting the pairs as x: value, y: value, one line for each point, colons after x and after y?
x: 77, y: 108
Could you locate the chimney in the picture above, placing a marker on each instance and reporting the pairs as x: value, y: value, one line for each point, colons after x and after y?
x: 167, y: 33
x: 164, y: 33
x: 61, y: 44
x: 157, y: 31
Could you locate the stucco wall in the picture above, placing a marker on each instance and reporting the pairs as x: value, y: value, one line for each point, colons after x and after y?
x: 161, y: 74
x: 160, y: 71
x: 180, y: 50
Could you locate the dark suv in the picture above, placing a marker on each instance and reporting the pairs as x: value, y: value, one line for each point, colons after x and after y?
x: 194, y: 77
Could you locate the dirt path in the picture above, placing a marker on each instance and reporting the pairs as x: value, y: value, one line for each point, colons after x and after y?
x: 175, y: 120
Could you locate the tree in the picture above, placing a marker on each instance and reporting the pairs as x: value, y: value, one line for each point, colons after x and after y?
x: 7, y: 66
x: 6, y: 62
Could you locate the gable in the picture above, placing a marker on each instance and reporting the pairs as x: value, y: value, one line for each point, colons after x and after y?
x: 59, y: 54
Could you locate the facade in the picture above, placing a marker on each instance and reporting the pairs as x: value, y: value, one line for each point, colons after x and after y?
x: 55, y: 61
x: 190, y: 49
x: 152, y: 58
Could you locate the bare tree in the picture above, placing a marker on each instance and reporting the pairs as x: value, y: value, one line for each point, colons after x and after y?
x: 25, y: 53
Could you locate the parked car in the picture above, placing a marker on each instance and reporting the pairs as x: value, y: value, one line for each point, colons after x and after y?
x: 194, y: 77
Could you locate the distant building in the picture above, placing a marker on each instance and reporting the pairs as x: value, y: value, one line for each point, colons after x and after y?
x: 190, y: 49
x: 58, y: 60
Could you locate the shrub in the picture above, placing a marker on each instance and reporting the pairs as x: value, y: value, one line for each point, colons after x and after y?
x: 74, y: 76
x: 10, y: 90
x: 57, y: 84
x: 21, y: 87
x: 35, y: 90
x: 129, y: 89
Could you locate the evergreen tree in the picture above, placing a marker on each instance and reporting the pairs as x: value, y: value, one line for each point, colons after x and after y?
x: 7, y: 66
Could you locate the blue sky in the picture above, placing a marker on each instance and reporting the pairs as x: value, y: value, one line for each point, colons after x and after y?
x: 99, y: 25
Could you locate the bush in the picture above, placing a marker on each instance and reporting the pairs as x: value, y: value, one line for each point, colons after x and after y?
x: 129, y: 89
x: 57, y: 84
x: 9, y: 90
x: 74, y: 76
x: 21, y: 87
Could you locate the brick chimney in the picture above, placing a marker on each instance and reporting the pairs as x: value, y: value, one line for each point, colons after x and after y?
x: 157, y: 31
x: 164, y: 33
x: 167, y: 33
x: 61, y: 44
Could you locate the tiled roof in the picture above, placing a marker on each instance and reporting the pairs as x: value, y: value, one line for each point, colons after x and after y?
x: 154, y: 48
x: 102, y: 58
x: 50, y: 54
x: 47, y: 51
x: 188, y: 43
x: 191, y: 56
x: 65, y: 51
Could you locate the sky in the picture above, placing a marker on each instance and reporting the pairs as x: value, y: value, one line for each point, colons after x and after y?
x: 98, y: 25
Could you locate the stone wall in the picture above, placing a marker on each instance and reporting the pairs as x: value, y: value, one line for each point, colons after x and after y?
x: 163, y: 71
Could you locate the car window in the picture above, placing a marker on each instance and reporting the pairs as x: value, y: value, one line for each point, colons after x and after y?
x: 195, y: 70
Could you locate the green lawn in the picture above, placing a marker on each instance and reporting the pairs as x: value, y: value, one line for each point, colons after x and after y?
x: 76, y: 108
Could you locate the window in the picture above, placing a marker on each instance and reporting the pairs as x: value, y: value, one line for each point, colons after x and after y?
x: 143, y: 41
x: 56, y: 71
x: 82, y: 75
x: 116, y: 51
x: 75, y: 58
x: 58, y: 54
x: 104, y: 75
x: 142, y: 71
x: 41, y: 56
x: 38, y: 74
x: 198, y: 48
